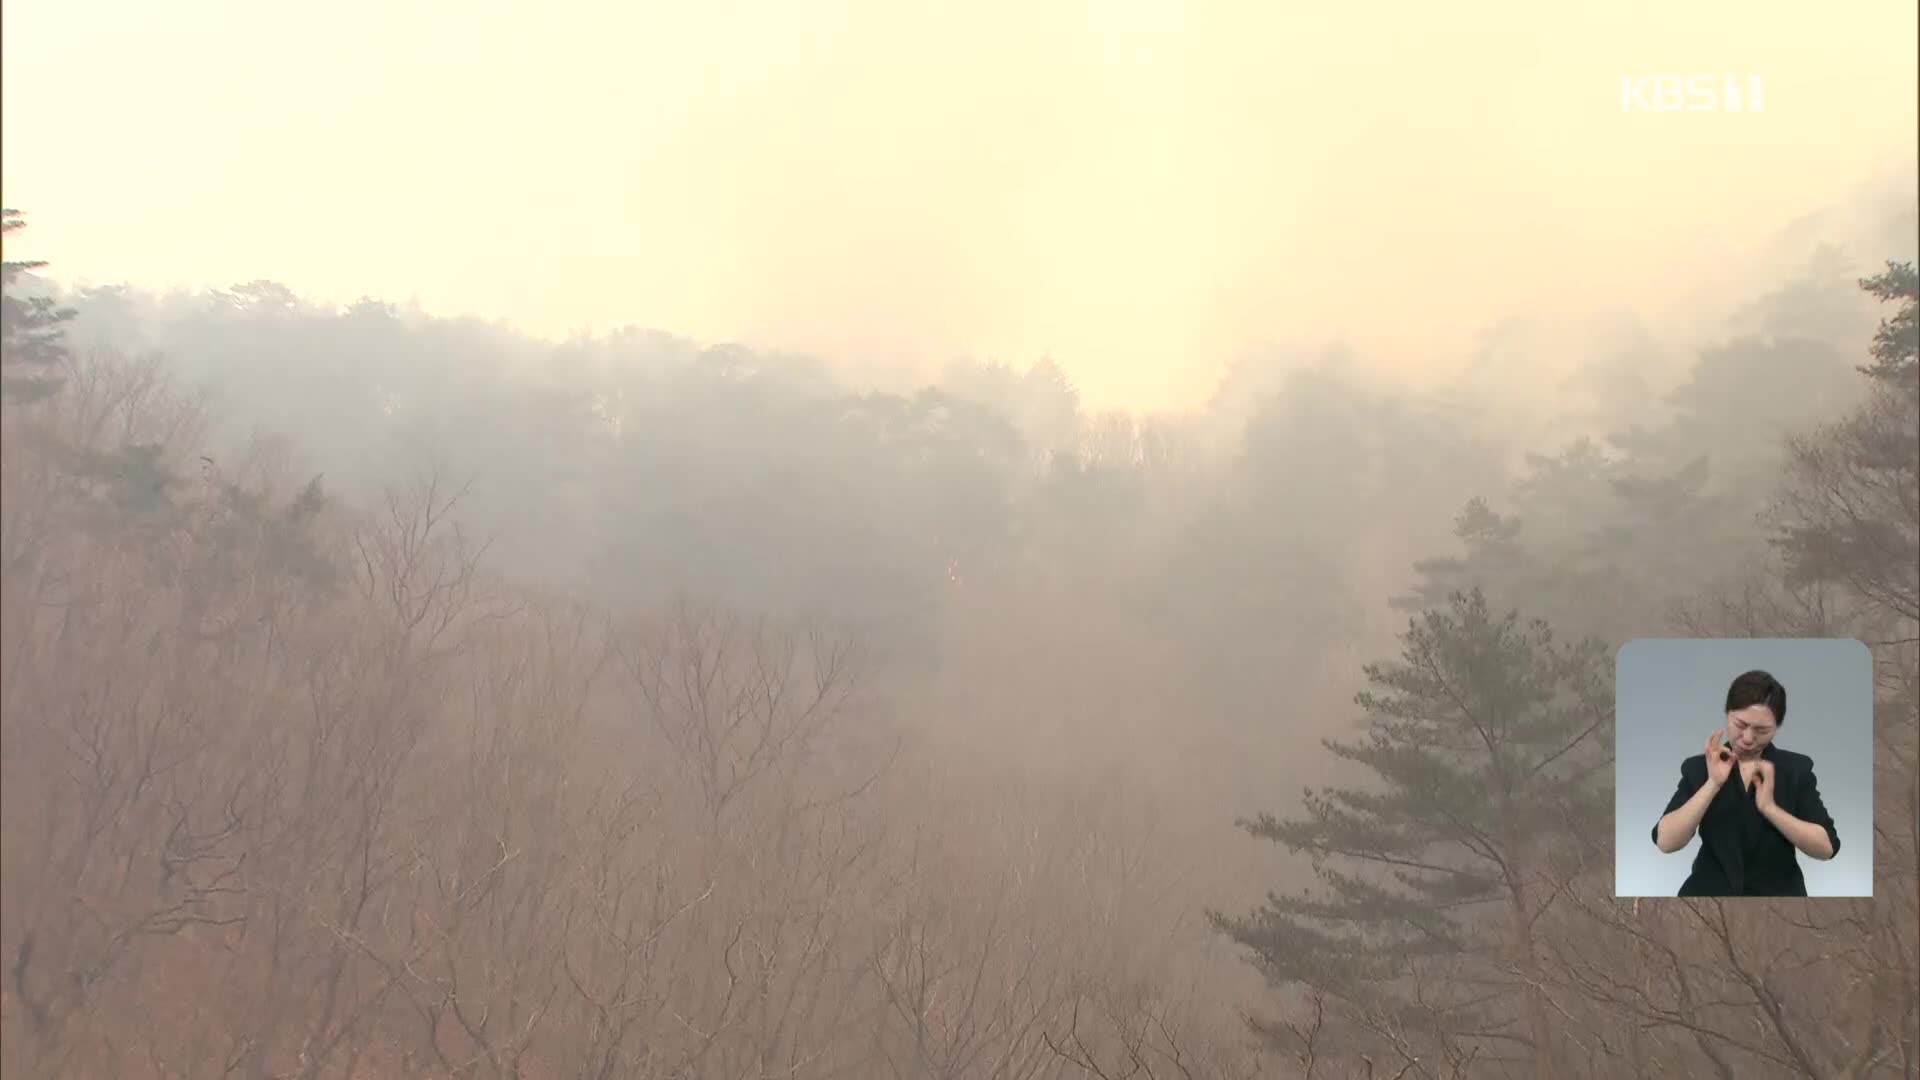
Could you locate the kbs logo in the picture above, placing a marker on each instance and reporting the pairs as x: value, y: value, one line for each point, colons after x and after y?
x: 1690, y: 93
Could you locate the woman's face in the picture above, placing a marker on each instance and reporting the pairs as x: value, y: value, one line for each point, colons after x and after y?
x: 1751, y: 729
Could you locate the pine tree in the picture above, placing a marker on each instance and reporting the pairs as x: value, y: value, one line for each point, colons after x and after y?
x: 1489, y: 745
x: 1896, y: 347
x: 1847, y: 514
x: 1850, y: 505
x: 1493, y: 561
x: 32, y: 343
x: 1666, y: 534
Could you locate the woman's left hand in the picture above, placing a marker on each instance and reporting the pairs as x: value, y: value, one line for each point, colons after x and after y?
x: 1763, y: 784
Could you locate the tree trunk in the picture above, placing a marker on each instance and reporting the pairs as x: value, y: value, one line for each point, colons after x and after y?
x: 1527, y: 964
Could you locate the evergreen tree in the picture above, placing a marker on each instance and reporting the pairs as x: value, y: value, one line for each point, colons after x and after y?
x: 1849, y: 510
x: 1896, y: 347
x: 1494, y: 561
x: 1489, y: 743
x: 32, y: 333
x: 1847, y: 516
x: 1561, y: 495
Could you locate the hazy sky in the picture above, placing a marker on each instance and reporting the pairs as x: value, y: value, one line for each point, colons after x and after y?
x: 1140, y: 189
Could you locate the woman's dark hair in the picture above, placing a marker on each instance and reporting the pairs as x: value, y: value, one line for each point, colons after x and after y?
x: 1758, y: 688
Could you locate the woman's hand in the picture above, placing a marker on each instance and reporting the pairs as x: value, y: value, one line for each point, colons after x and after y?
x: 1811, y: 839
x: 1719, y: 759
x: 1763, y: 784
x: 1677, y: 827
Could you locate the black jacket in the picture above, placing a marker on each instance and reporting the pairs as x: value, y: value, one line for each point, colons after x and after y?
x: 1741, y: 853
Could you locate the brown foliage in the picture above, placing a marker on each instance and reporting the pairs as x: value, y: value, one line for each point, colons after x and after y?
x: 295, y: 790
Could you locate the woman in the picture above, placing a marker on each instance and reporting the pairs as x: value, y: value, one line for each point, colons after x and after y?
x: 1753, y: 803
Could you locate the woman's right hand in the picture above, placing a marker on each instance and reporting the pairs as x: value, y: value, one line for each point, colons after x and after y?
x: 1719, y: 759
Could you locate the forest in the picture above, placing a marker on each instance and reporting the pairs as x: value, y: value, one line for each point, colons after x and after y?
x: 387, y: 694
